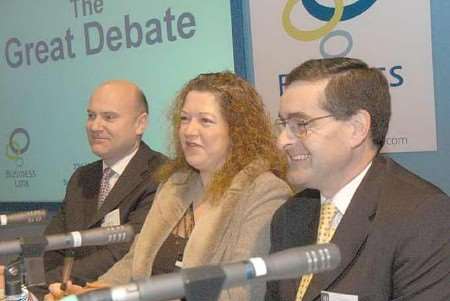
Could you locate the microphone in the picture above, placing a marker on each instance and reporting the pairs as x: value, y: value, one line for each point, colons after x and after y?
x: 14, y: 289
x: 286, y: 264
x: 92, y: 237
x: 24, y: 217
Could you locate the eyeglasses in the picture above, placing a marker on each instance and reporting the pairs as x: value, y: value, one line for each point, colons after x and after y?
x: 297, y: 126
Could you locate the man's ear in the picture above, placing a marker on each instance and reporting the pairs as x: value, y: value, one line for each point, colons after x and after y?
x: 142, y: 122
x: 360, y: 124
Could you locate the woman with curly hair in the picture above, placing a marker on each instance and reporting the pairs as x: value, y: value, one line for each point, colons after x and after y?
x: 218, y: 193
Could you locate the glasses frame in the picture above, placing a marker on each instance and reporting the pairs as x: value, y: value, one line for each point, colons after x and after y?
x: 297, y: 126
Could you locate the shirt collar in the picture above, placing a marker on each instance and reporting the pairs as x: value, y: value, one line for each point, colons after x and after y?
x: 343, y: 197
x: 120, y: 165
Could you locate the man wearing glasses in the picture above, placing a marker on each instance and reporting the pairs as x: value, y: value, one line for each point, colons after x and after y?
x: 392, y: 227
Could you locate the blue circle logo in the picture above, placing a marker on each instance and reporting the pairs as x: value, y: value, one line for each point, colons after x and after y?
x: 331, y: 16
x: 325, y: 13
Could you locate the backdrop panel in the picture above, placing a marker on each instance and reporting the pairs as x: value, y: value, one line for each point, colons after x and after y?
x: 55, y: 52
x: 394, y: 36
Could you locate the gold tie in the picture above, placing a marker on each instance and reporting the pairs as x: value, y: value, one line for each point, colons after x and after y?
x: 324, y: 235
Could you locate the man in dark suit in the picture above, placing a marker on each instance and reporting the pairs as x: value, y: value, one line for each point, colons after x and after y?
x: 117, y: 117
x: 392, y: 227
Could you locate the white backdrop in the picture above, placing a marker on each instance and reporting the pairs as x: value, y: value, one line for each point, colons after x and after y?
x: 394, y: 36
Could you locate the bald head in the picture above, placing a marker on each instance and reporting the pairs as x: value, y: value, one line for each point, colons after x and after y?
x: 127, y: 91
x: 117, y: 118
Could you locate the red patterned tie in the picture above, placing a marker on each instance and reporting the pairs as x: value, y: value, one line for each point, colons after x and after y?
x: 104, y: 186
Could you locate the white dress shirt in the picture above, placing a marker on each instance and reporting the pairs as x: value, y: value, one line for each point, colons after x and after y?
x: 119, y: 167
x: 343, y: 197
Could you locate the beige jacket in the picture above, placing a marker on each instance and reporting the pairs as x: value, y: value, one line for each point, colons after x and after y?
x: 235, y: 229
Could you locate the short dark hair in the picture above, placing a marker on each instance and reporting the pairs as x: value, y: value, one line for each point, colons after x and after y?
x: 352, y: 86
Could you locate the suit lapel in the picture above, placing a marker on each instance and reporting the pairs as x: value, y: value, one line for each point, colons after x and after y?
x: 178, y: 193
x: 301, y: 222
x: 136, y: 170
x: 90, y: 184
x: 209, y: 233
x: 304, y: 214
x: 352, y: 231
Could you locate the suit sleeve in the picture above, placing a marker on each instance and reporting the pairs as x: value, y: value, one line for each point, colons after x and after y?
x: 421, y: 270
x: 121, y: 272
x: 98, y: 262
x: 265, y: 197
x: 57, y: 225
x: 54, y: 259
x: 275, y: 235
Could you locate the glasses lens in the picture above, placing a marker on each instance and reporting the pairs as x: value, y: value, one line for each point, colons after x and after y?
x: 297, y: 127
x: 279, y: 126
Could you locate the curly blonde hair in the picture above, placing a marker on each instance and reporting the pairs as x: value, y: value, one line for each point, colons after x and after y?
x: 250, y: 130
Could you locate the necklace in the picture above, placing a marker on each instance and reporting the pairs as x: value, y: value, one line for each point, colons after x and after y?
x: 182, y: 233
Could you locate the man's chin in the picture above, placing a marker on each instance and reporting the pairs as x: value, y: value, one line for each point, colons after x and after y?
x: 296, y: 179
x: 98, y: 151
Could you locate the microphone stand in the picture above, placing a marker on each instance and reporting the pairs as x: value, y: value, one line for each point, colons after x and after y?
x: 30, y: 263
x: 33, y: 249
x: 13, y: 280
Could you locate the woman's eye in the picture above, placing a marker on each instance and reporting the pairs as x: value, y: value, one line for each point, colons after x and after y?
x: 207, y: 120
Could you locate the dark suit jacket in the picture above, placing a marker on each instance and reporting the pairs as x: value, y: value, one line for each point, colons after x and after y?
x: 132, y: 194
x: 394, y: 239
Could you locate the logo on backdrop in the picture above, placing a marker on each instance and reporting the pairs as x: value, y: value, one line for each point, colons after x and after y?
x: 331, y: 15
x: 18, y: 144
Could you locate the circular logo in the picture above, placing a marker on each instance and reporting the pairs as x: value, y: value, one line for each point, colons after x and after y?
x: 19, y: 142
x: 337, y: 33
x: 325, y: 13
x: 310, y: 35
x: 331, y: 15
x: 15, y: 145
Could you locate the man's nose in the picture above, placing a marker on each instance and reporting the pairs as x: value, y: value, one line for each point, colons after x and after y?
x: 285, y: 138
x: 95, y: 124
